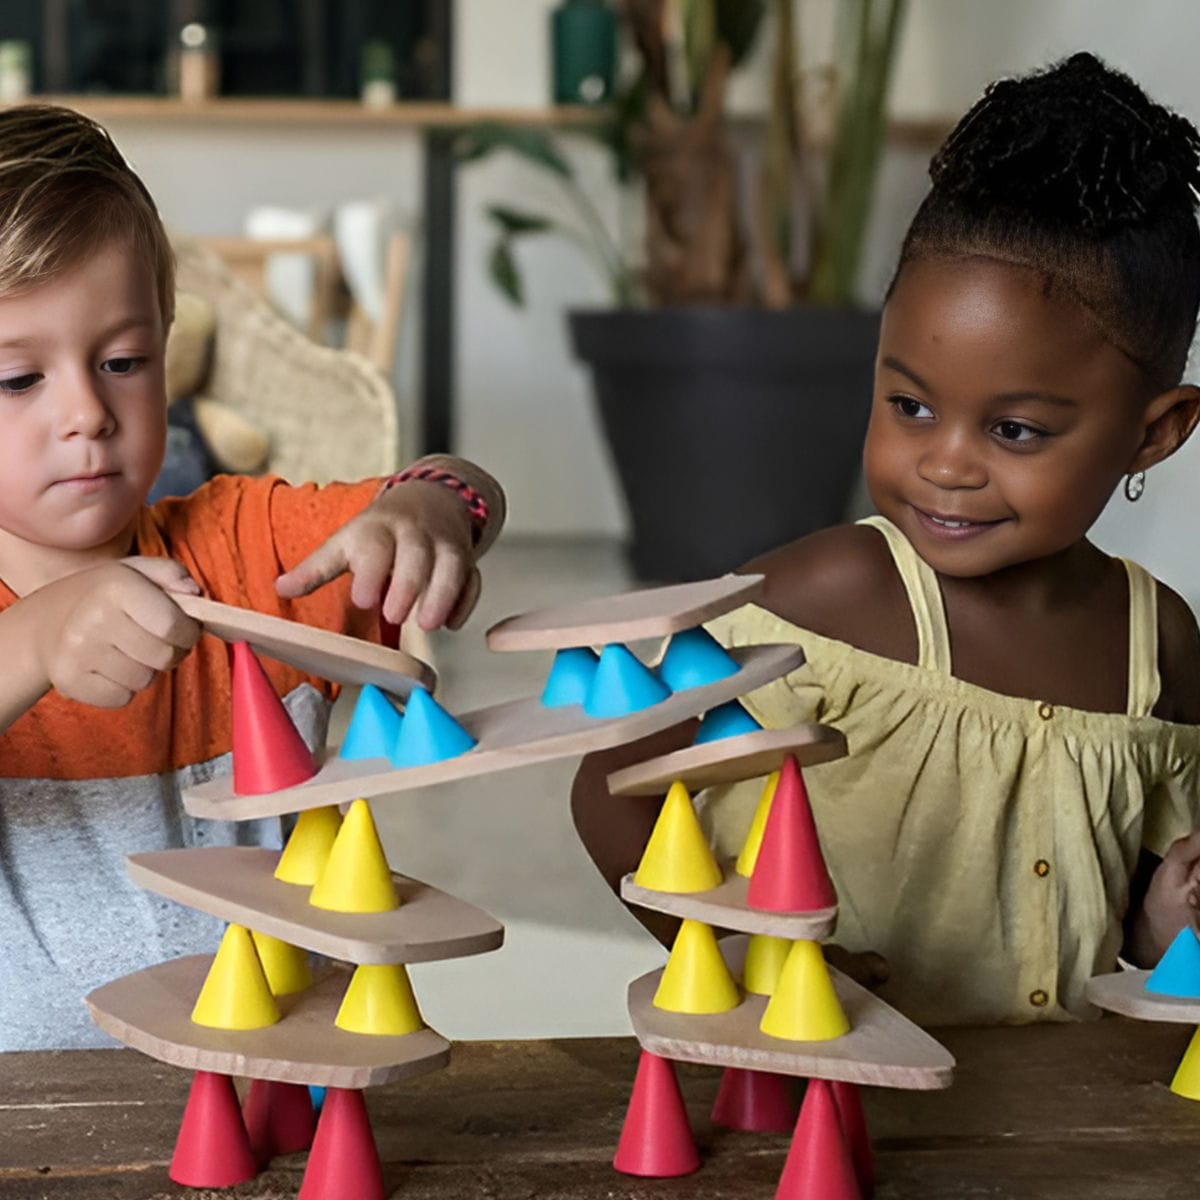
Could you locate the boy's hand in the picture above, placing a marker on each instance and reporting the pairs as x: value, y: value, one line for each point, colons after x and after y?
x: 418, y: 534
x: 103, y: 634
x: 1172, y: 899
x: 866, y: 967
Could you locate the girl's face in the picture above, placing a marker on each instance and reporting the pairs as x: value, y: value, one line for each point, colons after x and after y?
x: 1002, y: 419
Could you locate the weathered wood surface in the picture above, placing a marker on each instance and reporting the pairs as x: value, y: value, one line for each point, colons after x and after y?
x: 1039, y: 1113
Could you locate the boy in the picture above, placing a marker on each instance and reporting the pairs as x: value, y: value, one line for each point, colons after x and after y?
x: 99, y: 732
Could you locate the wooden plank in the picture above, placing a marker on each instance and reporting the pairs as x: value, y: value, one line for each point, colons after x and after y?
x: 649, y: 613
x: 238, y: 884
x: 151, y: 1010
x: 882, y: 1049
x: 315, y: 651
x: 1124, y: 992
x: 730, y: 760
x: 725, y: 907
x: 516, y: 733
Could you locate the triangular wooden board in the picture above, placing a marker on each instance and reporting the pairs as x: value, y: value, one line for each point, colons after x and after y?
x: 151, y: 1011
x: 1125, y: 992
x: 882, y: 1049
x: 730, y: 760
x: 315, y: 651
x: 652, y: 612
x: 516, y: 733
x: 237, y: 884
x: 725, y: 906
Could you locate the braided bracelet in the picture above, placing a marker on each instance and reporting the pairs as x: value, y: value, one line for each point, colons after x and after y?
x: 477, y: 507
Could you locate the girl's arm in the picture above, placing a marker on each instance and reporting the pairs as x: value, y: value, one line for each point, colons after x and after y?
x: 1164, y: 897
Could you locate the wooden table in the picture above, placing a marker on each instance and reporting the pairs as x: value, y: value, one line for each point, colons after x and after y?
x: 1050, y: 1112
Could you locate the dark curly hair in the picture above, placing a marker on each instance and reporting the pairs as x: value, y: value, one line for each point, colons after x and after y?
x: 1074, y: 172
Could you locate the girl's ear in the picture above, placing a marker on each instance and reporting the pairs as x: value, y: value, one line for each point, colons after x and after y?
x: 1169, y: 420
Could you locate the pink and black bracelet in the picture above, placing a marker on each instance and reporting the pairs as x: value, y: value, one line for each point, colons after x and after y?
x: 477, y: 506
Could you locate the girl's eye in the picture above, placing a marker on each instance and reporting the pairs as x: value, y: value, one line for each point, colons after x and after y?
x: 907, y: 406
x: 18, y: 383
x: 1016, y: 431
x: 122, y: 366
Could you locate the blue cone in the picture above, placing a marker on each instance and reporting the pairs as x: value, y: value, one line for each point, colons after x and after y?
x: 622, y: 684
x: 317, y: 1095
x: 428, y: 733
x: 694, y: 658
x: 570, y: 677
x: 374, y: 726
x: 728, y: 720
x: 1178, y: 971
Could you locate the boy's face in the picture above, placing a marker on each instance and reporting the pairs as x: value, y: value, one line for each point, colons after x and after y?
x: 1001, y: 420
x: 82, y: 404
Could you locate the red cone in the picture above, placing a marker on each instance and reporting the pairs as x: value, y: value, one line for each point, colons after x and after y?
x: 279, y: 1118
x: 818, y: 1164
x: 344, y: 1161
x: 854, y: 1129
x: 268, y: 752
x: 212, y: 1150
x: 656, y: 1139
x: 790, y: 874
x: 757, y: 1101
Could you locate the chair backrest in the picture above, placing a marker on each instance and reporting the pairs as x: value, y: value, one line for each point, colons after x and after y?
x: 330, y: 302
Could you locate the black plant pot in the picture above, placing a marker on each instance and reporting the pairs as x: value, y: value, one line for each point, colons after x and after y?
x: 732, y: 430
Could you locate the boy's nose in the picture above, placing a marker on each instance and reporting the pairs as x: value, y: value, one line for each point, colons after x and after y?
x: 84, y: 413
x: 952, y: 462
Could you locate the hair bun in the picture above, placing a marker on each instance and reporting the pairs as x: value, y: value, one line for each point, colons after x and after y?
x: 1078, y: 144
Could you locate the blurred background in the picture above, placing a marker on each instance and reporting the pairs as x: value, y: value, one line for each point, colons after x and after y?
x: 438, y: 184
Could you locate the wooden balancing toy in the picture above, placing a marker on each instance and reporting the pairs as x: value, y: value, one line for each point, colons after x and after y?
x: 764, y: 1005
x: 1171, y: 992
x: 260, y: 1009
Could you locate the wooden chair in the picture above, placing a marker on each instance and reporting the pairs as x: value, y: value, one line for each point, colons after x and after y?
x: 331, y: 303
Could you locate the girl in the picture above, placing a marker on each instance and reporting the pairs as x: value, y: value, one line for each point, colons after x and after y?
x: 1021, y: 709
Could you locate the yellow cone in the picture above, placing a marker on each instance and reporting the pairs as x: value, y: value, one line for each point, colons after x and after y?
x: 284, y: 965
x: 1187, y: 1075
x: 677, y: 856
x: 765, y: 957
x: 380, y: 1000
x: 307, y: 850
x: 356, y: 878
x: 696, y: 979
x: 749, y: 855
x: 804, y: 1007
x: 235, y: 995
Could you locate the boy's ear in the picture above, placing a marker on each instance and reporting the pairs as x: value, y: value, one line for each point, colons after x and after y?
x: 1169, y: 420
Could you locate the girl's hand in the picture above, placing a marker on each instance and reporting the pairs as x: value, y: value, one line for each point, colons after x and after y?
x: 867, y: 968
x: 1172, y: 900
x: 412, y: 543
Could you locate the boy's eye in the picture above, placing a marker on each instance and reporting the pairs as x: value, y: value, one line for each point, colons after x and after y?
x: 18, y: 383
x: 121, y: 366
x: 908, y: 406
x: 1016, y: 431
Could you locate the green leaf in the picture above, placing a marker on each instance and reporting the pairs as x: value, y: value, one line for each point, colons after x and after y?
x: 533, y: 145
x: 502, y: 267
x: 513, y: 221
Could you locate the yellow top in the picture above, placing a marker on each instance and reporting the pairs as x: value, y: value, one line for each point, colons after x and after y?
x: 982, y: 843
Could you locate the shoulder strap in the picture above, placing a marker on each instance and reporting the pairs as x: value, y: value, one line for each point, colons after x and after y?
x: 924, y: 597
x: 1144, y: 680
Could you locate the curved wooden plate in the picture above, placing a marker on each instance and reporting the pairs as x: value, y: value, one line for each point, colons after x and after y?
x: 513, y: 734
x: 315, y: 651
x: 1125, y: 992
x: 151, y: 1011
x: 725, y: 906
x: 882, y: 1049
x: 730, y: 760
x: 238, y: 884
x: 652, y: 612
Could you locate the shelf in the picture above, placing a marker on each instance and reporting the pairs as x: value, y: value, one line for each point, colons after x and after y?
x: 151, y: 1011
x: 1125, y: 992
x: 882, y: 1049
x: 516, y: 733
x: 238, y: 884
x: 725, y: 907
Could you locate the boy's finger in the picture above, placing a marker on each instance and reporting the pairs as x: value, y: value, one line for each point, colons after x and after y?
x: 467, y: 600
x: 370, y: 566
x: 410, y: 573
x: 325, y: 563
x: 445, y: 585
x: 168, y: 574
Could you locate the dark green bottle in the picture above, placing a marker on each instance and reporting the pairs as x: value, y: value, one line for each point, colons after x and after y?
x: 584, y: 38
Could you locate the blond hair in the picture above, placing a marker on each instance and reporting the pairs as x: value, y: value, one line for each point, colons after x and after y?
x: 65, y: 191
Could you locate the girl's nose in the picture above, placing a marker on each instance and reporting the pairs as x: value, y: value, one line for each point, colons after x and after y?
x: 951, y: 461
x: 84, y: 413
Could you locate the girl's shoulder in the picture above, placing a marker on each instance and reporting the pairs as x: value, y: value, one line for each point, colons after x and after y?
x: 1178, y: 659
x: 841, y: 583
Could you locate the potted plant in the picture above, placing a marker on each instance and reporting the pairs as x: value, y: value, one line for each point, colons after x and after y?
x: 733, y: 372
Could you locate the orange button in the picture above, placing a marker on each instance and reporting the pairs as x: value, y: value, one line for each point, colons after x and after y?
x: 1039, y: 999
x: 1045, y: 711
x: 1041, y: 868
